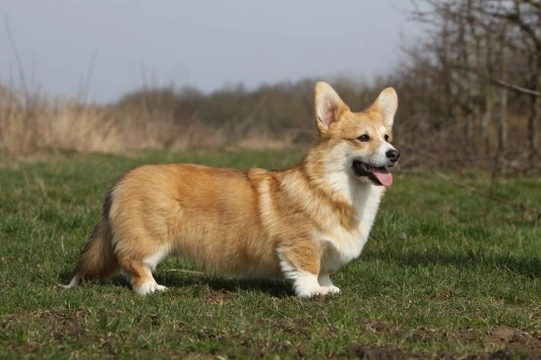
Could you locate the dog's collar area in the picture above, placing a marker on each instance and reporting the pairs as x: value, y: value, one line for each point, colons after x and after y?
x: 378, y: 175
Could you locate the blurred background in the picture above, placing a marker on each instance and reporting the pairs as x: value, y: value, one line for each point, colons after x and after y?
x: 114, y: 76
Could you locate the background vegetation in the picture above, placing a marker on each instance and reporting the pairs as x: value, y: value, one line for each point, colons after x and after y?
x: 469, y: 91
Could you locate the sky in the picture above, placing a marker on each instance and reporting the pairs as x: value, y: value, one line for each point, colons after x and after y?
x: 108, y: 48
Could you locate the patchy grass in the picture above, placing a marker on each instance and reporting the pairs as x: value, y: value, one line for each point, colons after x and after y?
x: 446, y: 273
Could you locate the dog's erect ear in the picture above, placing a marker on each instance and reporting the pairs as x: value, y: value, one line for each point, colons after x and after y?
x: 386, y: 104
x: 328, y: 105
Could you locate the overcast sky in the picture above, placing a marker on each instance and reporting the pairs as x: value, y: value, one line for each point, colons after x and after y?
x: 122, y: 45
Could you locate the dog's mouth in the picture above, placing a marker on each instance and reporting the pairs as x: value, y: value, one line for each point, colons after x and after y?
x: 378, y: 175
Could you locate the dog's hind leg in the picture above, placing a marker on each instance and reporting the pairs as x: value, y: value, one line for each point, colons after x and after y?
x: 139, y: 271
x: 141, y: 279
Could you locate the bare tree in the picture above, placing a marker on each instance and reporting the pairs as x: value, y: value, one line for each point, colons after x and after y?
x: 478, y: 51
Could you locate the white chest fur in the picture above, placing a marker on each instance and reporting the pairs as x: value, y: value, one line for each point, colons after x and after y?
x: 342, y: 245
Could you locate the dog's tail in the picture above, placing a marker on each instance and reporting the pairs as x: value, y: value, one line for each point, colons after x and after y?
x: 98, y: 259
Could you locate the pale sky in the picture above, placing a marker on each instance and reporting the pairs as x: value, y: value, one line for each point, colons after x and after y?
x: 122, y: 45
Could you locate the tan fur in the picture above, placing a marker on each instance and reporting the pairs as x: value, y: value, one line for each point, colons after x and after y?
x: 301, y: 223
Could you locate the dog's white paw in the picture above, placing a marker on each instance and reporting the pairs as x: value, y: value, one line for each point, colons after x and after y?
x: 333, y: 289
x: 307, y: 286
x: 325, y: 281
x: 160, y: 288
x: 319, y: 291
x: 73, y: 283
x: 149, y: 288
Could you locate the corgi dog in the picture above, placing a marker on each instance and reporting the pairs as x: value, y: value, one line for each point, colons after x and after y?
x: 302, y: 223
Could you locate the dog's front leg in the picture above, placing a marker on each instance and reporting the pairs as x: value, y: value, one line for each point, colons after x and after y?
x: 325, y: 281
x: 301, y: 264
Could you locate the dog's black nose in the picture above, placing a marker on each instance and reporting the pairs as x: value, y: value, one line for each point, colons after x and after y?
x: 392, y: 155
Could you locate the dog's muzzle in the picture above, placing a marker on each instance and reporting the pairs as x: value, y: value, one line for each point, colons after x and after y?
x: 379, y: 175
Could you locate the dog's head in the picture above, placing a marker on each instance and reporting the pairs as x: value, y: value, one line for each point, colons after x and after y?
x: 361, y: 140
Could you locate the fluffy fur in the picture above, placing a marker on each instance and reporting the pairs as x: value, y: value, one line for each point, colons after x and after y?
x: 301, y: 223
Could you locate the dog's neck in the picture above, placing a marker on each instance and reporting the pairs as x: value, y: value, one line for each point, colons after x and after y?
x: 337, y: 186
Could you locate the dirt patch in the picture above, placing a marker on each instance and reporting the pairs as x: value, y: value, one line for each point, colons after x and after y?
x: 513, y: 342
x: 358, y: 351
x: 497, y: 343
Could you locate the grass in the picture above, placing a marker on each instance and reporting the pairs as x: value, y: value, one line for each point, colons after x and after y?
x: 446, y: 273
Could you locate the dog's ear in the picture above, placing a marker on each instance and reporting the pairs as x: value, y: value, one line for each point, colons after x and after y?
x: 386, y: 105
x: 328, y: 106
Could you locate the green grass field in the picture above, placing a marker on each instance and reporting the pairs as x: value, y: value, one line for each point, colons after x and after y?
x: 446, y: 273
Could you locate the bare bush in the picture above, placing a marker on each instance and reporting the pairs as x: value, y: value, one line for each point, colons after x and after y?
x: 478, y: 69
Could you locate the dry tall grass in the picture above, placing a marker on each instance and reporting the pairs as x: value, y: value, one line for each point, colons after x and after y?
x: 35, y: 124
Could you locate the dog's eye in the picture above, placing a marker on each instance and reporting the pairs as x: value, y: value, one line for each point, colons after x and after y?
x: 386, y: 137
x: 364, y: 138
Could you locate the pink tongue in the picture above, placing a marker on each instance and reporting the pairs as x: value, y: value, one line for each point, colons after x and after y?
x: 384, y: 176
